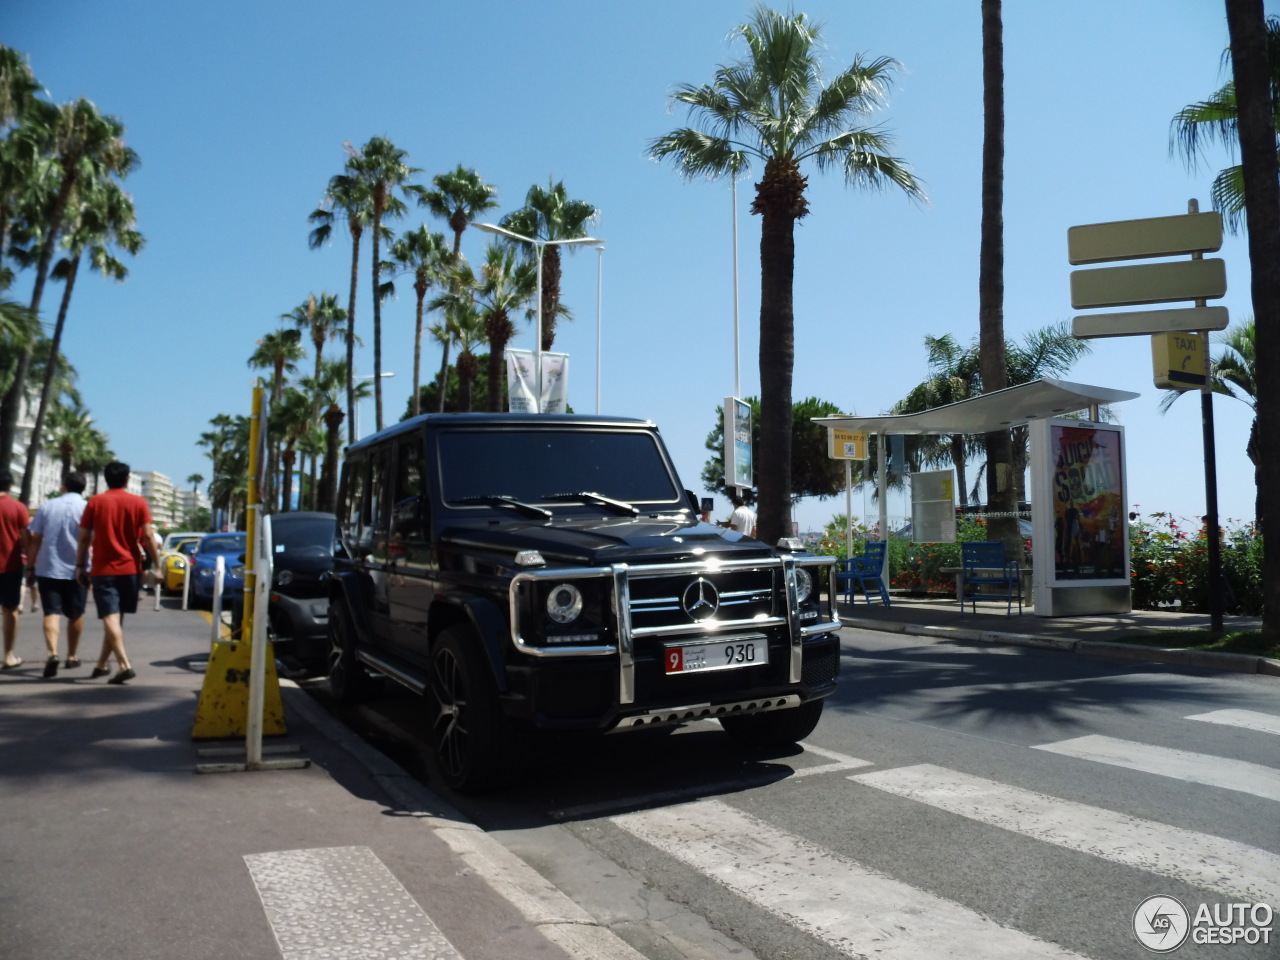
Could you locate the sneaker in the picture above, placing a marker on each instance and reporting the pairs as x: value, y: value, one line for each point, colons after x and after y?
x: 51, y: 668
x: 124, y: 676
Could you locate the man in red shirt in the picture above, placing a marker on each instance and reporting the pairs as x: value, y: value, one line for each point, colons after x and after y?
x: 13, y: 538
x: 115, y: 524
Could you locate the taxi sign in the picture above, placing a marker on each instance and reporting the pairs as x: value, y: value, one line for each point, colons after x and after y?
x: 1178, y: 361
x: 845, y: 444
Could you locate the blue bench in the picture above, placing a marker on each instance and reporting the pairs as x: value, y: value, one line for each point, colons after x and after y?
x: 864, y: 570
x: 985, y: 574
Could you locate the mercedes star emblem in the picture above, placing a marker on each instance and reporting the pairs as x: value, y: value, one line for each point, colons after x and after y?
x: 701, y: 599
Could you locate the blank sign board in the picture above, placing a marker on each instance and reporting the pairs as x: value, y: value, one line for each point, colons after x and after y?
x: 1148, y: 283
x: 1153, y: 237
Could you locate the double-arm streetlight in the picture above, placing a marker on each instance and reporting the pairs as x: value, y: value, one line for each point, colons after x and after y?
x: 541, y: 245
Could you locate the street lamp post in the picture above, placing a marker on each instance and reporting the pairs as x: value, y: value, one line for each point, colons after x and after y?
x: 369, y: 376
x: 599, y: 288
x: 541, y: 245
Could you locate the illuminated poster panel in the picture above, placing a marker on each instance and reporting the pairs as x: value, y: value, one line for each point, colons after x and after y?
x: 738, y: 472
x: 1088, y: 503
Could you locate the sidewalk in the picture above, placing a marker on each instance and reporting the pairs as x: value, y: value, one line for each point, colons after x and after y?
x: 113, y: 846
x: 1102, y: 635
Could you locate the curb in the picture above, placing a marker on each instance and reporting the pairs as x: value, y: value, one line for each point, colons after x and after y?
x: 1202, y: 659
x: 550, y: 911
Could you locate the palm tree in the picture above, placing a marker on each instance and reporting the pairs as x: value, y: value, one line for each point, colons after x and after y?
x: 458, y: 198
x: 1216, y: 120
x: 347, y: 198
x: 424, y: 255
x: 549, y: 214
x: 953, y: 376
x: 506, y: 285
x: 279, y: 352
x: 27, y: 121
x: 88, y: 147
x: 70, y: 429
x: 323, y: 320
x: 452, y: 304
x: 106, y: 216
x: 382, y: 166
x: 18, y: 85
x: 772, y: 107
x: 291, y: 418
x: 329, y: 386
x: 195, y: 480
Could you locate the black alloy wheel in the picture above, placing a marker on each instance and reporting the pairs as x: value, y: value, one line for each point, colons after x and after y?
x: 349, y: 682
x: 474, y: 745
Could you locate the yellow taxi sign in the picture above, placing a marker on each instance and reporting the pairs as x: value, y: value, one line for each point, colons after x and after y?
x: 1178, y: 361
x: 845, y: 444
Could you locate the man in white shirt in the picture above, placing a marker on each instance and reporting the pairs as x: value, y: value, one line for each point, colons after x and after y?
x: 51, y: 562
x: 743, y: 518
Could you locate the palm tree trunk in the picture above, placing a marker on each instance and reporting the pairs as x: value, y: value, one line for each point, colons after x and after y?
x: 496, y: 371
x: 50, y: 370
x: 12, y: 400
x: 777, y: 361
x: 958, y: 461
x: 351, y: 334
x: 378, y: 202
x: 329, y: 473
x: 1246, y: 21
x: 1001, y: 490
x: 444, y: 378
x: 415, y: 402
x: 550, y: 294
x: 286, y: 481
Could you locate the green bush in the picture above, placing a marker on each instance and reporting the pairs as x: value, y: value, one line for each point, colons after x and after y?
x: 1169, y: 564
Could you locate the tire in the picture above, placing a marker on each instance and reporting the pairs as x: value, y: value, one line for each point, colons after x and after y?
x: 777, y: 728
x: 475, y: 747
x: 349, y: 682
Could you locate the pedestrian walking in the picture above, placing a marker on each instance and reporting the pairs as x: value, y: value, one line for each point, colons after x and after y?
x: 115, y: 524
x: 51, y: 564
x: 743, y: 518
x: 13, y: 540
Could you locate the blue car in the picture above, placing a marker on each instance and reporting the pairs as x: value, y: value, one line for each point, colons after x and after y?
x: 231, y: 547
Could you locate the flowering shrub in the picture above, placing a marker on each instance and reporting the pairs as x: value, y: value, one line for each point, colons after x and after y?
x: 1169, y: 562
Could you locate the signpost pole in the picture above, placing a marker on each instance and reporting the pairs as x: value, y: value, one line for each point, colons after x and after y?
x: 848, y: 509
x: 1210, y: 474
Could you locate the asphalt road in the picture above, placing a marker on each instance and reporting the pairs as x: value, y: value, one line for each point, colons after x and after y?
x: 967, y: 801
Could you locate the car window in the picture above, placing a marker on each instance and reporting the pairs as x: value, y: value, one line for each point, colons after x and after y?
x: 408, y: 520
x: 377, y: 506
x: 353, y: 495
x: 222, y: 545
x: 534, y: 465
x: 303, y: 535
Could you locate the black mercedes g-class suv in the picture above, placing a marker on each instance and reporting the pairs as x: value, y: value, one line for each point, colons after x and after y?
x: 544, y: 572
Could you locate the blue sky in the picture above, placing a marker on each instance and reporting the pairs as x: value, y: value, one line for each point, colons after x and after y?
x: 239, y: 112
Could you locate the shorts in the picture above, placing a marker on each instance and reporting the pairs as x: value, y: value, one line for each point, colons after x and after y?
x: 64, y: 597
x: 11, y: 590
x: 116, y: 594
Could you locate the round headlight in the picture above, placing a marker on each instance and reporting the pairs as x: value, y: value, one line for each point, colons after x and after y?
x: 284, y: 577
x: 564, y: 603
x: 804, y: 584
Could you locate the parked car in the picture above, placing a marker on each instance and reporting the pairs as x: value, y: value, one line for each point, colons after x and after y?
x: 174, y: 561
x: 229, y: 546
x: 302, y: 560
x: 172, y: 539
x: 531, y: 573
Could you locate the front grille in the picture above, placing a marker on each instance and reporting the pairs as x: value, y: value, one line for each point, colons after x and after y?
x: 820, y: 669
x: 656, y: 600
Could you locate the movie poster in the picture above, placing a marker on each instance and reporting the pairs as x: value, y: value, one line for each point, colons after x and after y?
x: 1088, y: 504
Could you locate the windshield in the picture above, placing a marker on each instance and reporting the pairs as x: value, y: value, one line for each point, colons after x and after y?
x: 534, y: 466
x: 288, y: 536
x: 222, y: 545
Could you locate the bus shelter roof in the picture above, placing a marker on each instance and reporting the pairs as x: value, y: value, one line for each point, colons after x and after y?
x: 1005, y: 408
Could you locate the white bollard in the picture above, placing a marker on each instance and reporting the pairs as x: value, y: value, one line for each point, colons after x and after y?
x: 219, y: 570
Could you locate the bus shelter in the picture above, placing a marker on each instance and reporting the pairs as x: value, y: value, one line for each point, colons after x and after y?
x: 1079, y: 515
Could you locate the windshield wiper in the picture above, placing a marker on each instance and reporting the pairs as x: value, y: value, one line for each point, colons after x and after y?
x: 617, y: 506
x: 502, y: 500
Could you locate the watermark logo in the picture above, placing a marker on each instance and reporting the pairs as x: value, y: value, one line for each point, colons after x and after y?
x: 1161, y: 924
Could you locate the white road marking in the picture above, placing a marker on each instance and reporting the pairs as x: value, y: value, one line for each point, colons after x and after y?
x: 1234, y: 869
x: 839, y: 901
x: 839, y: 762
x: 342, y: 903
x: 1237, y: 775
x: 1248, y: 719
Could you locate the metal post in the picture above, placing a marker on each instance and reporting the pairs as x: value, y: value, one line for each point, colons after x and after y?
x: 1210, y: 473
x: 737, y: 364
x: 848, y: 509
x: 599, y: 287
x: 261, y: 557
x: 537, y: 343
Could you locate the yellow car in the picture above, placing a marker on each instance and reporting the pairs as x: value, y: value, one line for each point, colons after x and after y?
x: 174, y: 562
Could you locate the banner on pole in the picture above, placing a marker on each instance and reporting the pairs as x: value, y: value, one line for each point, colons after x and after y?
x: 739, y: 472
x: 522, y: 398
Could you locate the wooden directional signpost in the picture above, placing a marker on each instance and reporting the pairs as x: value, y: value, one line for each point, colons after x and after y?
x: 1179, y: 335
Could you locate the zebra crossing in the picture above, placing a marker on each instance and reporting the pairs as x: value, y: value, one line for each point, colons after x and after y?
x: 860, y: 911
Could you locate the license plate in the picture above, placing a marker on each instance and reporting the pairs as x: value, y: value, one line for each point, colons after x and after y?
x: 722, y: 655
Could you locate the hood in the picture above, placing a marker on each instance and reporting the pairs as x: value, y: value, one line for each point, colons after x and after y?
x: 595, y: 541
